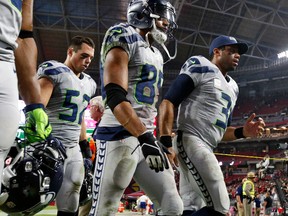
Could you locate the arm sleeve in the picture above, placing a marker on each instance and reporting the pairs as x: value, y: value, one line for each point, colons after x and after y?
x: 180, y: 89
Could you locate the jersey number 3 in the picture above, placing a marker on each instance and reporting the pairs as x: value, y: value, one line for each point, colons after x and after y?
x: 225, y: 111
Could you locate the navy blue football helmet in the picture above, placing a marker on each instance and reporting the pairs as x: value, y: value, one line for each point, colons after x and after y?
x: 32, y: 176
x: 141, y: 13
x: 86, y: 189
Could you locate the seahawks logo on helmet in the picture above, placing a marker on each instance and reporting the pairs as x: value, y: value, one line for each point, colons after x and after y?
x: 32, y: 176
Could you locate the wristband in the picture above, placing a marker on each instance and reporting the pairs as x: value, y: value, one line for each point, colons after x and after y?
x: 238, y: 133
x: 166, y: 141
x: 25, y: 34
x: 85, y: 148
x: 31, y: 107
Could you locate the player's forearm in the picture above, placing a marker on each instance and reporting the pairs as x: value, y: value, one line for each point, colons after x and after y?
x: 233, y: 133
x: 26, y: 58
x: 229, y: 134
x: 29, y: 90
x: 83, y: 135
x: 166, y: 118
x: 26, y: 61
x: 27, y: 15
x: 128, y: 118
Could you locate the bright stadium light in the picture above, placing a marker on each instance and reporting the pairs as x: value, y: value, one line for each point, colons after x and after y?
x: 283, y: 54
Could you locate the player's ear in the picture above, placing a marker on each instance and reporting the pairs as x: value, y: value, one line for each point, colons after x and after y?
x: 70, y: 51
x: 216, y: 51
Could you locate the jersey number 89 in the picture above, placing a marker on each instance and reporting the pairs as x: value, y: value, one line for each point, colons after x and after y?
x: 147, y: 89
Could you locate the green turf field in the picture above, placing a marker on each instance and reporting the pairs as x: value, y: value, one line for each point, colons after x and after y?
x: 48, y: 211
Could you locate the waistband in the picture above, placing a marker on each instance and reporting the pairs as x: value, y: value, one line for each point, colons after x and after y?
x: 6, y: 46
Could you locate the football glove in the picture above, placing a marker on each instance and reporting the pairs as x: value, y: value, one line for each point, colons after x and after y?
x: 88, y: 165
x: 85, y: 149
x: 87, y: 154
x: 37, y: 126
x: 153, y: 152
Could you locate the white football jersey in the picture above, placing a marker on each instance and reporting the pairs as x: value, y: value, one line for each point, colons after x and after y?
x: 145, y: 76
x: 206, y: 110
x: 10, y: 23
x: 69, y: 99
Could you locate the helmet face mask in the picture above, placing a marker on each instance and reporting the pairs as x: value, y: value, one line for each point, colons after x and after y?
x: 168, y: 13
x: 33, y: 177
x: 141, y: 13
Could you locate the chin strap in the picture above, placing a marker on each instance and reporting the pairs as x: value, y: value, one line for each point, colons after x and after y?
x: 147, y: 38
x: 167, y: 52
x: 160, y: 37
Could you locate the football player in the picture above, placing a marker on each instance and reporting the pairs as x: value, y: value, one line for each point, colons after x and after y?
x: 206, y: 96
x: 16, y: 20
x: 66, y: 92
x: 131, y: 75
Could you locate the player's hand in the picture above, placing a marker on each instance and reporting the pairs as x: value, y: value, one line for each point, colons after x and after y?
x: 153, y: 152
x: 85, y: 149
x: 167, y: 142
x: 37, y: 126
x: 253, y: 127
x: 172, y: 157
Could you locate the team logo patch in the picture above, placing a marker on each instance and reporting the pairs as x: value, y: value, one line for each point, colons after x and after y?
x: 217, y: 84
